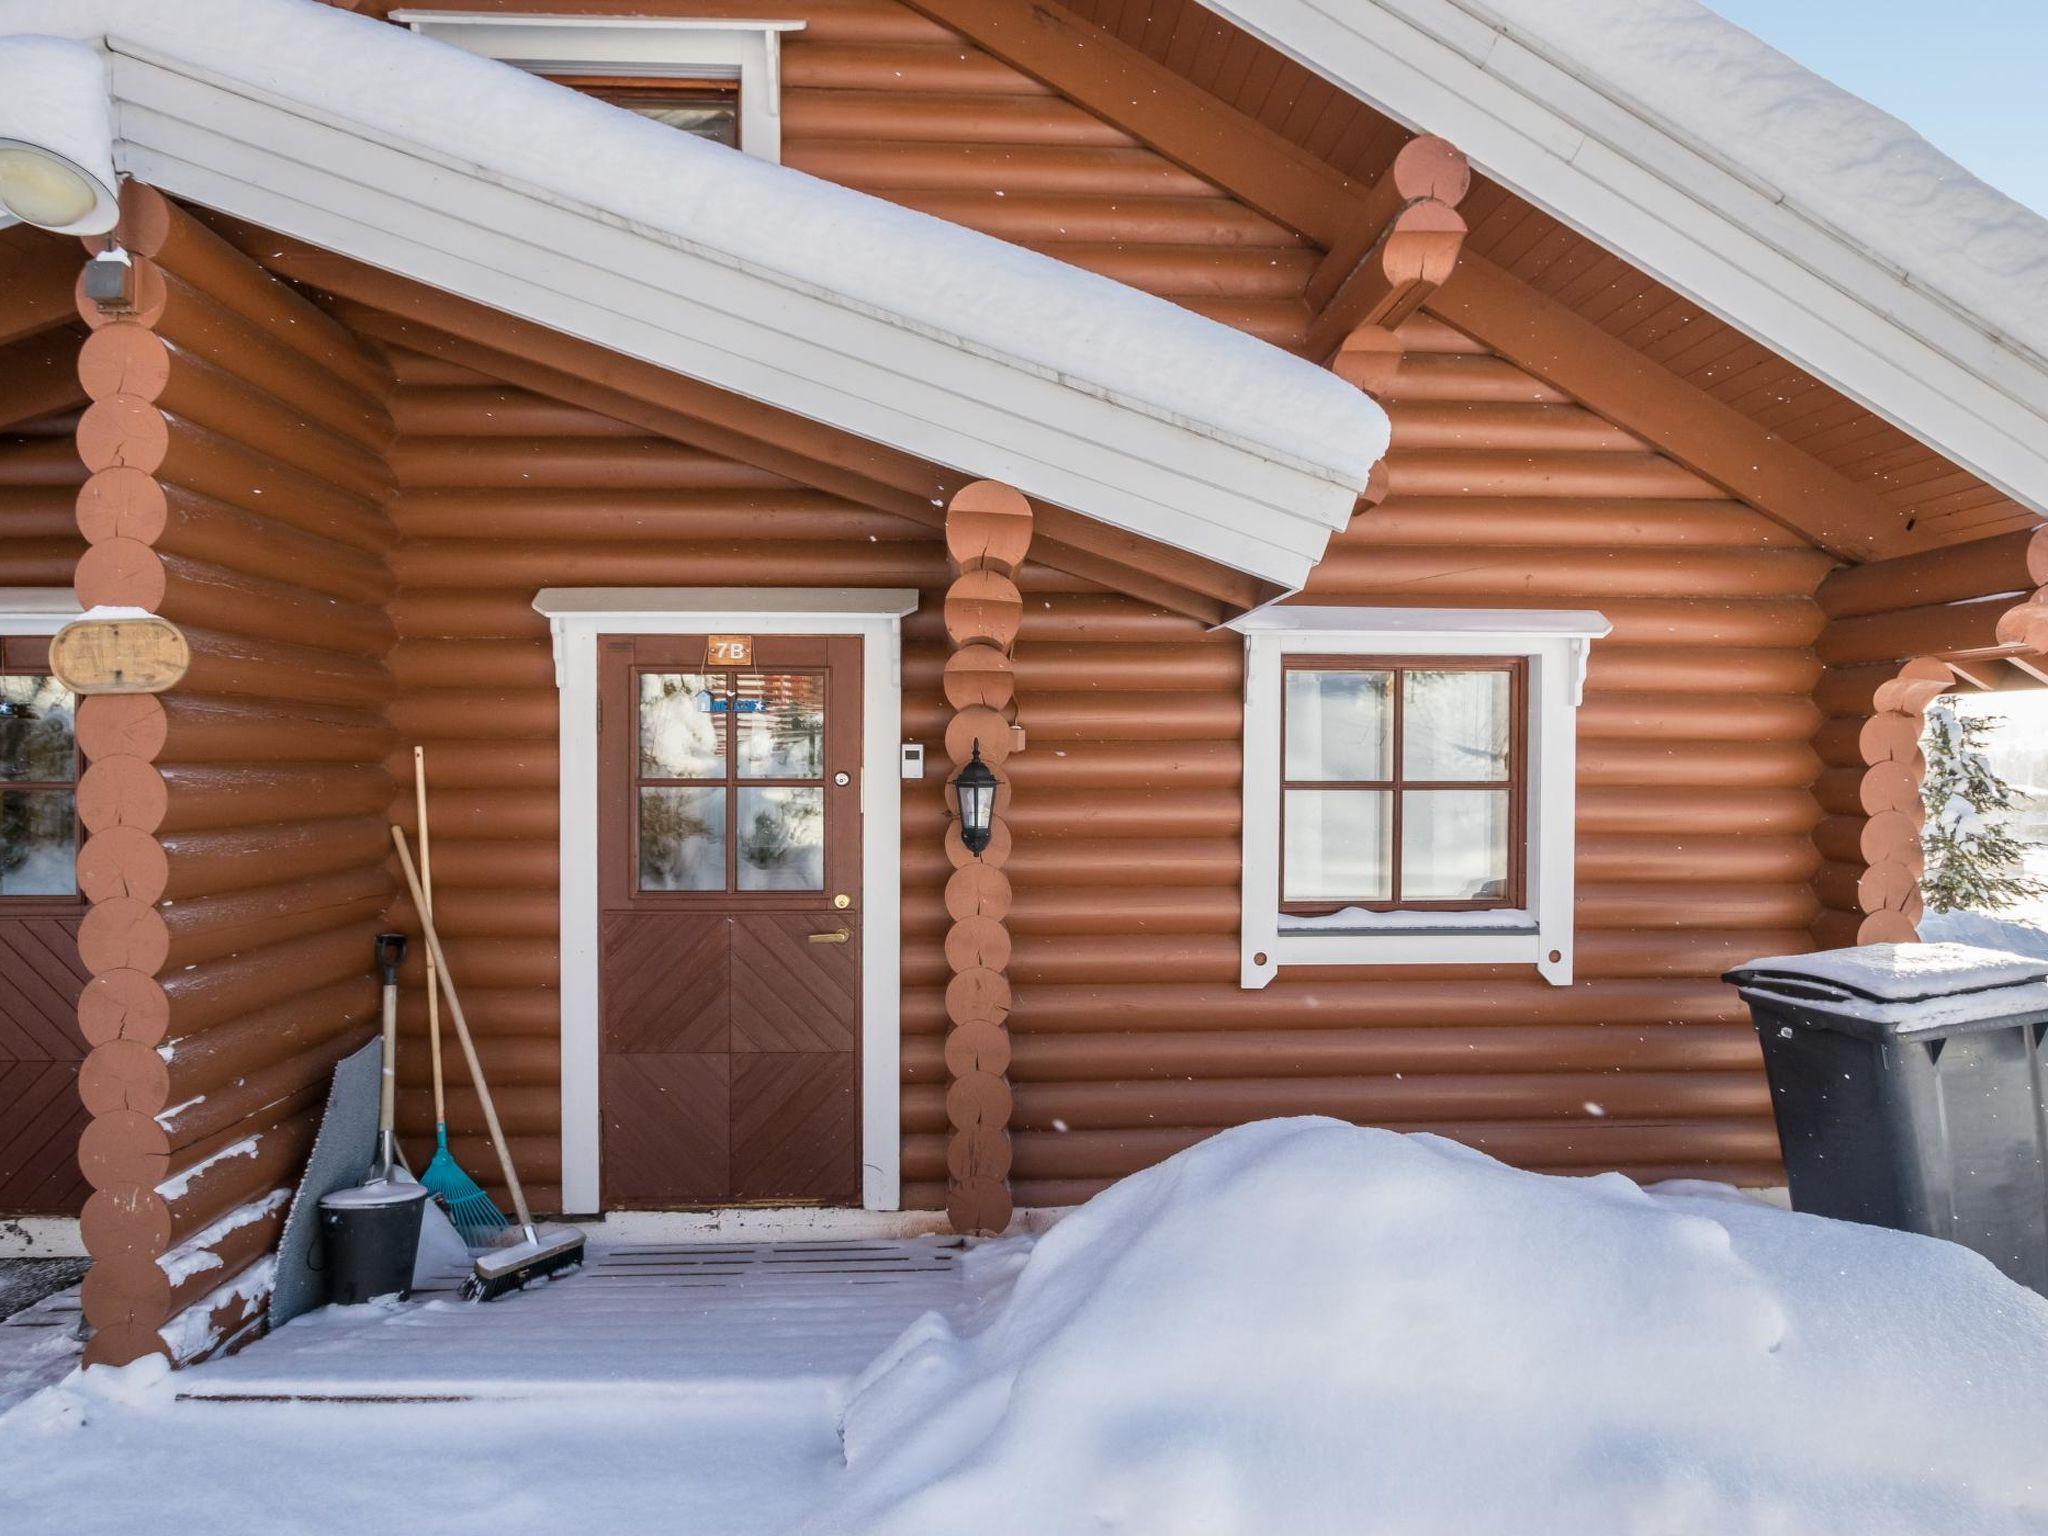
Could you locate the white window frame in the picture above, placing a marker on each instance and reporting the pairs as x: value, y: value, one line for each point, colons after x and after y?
x: 654, y: 47
x: 1555, y: 646
x: 577, y: 616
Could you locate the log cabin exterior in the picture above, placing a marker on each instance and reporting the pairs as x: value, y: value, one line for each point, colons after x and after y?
x: 376, y: 509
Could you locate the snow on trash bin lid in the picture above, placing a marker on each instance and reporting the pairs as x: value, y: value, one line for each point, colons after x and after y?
x: 384, y: 1192
x: 1897, y: 973
x: 1899, y: 990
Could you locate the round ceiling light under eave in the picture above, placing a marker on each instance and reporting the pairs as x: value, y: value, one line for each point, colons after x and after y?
x: 56, y: 136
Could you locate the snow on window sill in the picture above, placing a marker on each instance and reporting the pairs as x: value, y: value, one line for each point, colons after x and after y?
x: 1361, y: 920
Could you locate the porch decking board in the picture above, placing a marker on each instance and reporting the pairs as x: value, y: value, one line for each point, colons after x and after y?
x: 669, y: 1318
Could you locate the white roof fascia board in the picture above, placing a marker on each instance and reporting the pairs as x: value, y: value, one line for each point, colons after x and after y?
x: 711, y: 320
x: 652, y: 297
x: 1575, y: 148
x: 213, y: 122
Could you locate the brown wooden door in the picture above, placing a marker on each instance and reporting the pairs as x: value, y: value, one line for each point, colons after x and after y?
x: 41, y: 976
x: 729, y: 931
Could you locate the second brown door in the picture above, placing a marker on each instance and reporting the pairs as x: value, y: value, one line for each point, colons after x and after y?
x: 729, y: 882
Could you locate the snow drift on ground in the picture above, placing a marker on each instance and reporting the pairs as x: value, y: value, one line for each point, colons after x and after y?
x: 2011, y: 934
x: 1827, y: 152
x: 1098, y: 335
x: 1304, y: 1326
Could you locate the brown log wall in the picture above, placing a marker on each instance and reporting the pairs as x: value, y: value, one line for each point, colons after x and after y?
x: 237, y: 441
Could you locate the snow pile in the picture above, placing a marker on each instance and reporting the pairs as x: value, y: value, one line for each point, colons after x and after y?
x: 1304, y: 1326
x: 2010, y: 934
x: 1828, y: 152
x: 1097, y: 335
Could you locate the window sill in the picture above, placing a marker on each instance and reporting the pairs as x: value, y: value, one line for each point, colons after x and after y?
x: 1402, y: 947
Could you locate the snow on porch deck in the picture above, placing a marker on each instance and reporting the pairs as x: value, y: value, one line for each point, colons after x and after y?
x: 689, y: 1320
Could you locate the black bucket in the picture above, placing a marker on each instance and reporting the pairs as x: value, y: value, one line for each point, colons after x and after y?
x: 372, y: 1236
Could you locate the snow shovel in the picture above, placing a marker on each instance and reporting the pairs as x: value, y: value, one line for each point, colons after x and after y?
x: 475, y: 1214
x: 540, y: 1250
x: 390, y: 951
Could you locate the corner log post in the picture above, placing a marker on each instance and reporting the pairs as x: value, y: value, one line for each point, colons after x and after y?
x: 236, y: 446
x: 1900, y: 633
x: 988, y: 532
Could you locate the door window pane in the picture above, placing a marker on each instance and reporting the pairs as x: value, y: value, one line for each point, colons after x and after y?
x: 1339, y: 845
x: 683, y: 718
x: 35, y: 730
x: 782, y: 839
x: 1454, y: 845
x: 682, y: 839
x: 38, y: 843
x: 781, y: 725
x: 1339, y: 725
x: 1454, y: 725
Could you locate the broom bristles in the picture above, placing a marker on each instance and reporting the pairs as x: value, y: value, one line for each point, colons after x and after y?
x: 476, y: 1216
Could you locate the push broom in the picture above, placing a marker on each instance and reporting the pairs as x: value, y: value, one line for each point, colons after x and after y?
x: 476, y: 1216
x: 539, y: 1250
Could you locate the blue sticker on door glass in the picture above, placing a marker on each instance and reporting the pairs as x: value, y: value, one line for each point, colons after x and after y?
x: 710, y: 704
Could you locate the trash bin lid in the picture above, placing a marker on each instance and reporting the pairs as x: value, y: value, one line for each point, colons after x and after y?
x: 383, y: 1192
x: 1902, y: 988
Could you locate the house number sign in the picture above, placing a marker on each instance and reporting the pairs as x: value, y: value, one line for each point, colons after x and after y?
x: 728, y: 650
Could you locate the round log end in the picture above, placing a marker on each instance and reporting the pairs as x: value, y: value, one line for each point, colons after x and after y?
x: 123, y: 1005
x: 122, y: 792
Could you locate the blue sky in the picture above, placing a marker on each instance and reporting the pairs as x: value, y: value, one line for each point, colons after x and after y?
x: 1971, y: 75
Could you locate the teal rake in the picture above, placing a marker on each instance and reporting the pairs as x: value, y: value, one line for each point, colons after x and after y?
x: 475, y: 1214
x: 476, y: 1218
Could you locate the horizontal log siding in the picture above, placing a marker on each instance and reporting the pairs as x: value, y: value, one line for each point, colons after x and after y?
x: 237, y: 438
x: 1132, y: 1038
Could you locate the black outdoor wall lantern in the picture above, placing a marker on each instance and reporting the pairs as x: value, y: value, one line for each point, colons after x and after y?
x: 975, y: 784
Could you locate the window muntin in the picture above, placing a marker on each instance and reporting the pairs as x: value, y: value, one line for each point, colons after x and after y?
x: 730, y: 781
x: 38, y: 777
x: 705, y: 109
x: 1402, y: 783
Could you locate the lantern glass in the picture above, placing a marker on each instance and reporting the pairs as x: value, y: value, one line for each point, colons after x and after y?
x: 975, y: 786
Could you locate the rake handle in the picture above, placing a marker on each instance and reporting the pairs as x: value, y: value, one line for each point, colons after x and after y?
x: 476, y: 1070
x: 419, y: 785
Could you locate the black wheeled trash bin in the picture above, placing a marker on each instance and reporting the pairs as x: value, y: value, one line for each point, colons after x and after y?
x: 1908, y: 1081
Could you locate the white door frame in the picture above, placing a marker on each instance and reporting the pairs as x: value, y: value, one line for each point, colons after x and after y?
x: 577, y: 616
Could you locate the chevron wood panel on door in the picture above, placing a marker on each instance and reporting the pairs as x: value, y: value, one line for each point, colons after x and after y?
x: 795, y: 1127
x: 665, y: 1129
x: 789, y: 993
x: 41, y: 1117
x: 665, y: 982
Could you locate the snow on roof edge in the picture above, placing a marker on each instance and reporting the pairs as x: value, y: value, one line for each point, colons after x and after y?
x: 950, y: 283
x: 1822, y: 151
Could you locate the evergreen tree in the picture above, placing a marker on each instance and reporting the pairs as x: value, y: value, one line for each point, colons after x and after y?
x: 1974, y: 863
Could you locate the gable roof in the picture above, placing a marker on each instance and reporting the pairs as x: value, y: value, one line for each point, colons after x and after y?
x: 1797, y: 213
x: 478, y: 178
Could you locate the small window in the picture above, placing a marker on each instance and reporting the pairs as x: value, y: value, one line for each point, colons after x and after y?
x: 1409, y: 778
x: 1402, y: 784
x: 705, y: 109
x: 38, y: 777
x: 715, y: 79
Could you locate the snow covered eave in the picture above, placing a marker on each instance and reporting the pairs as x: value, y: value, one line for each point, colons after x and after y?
x: 477, y: 178
x: 1903, y: 337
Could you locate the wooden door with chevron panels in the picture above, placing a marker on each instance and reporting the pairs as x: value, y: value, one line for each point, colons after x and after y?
x: 729, y: 880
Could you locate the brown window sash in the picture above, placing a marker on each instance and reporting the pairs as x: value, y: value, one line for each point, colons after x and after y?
x: 1516, y: 783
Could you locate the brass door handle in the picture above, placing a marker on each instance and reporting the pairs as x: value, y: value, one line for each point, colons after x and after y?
x: 836, y: 936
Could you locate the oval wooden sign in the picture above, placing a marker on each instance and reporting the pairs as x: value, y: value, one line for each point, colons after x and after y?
x: 140, y: 655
